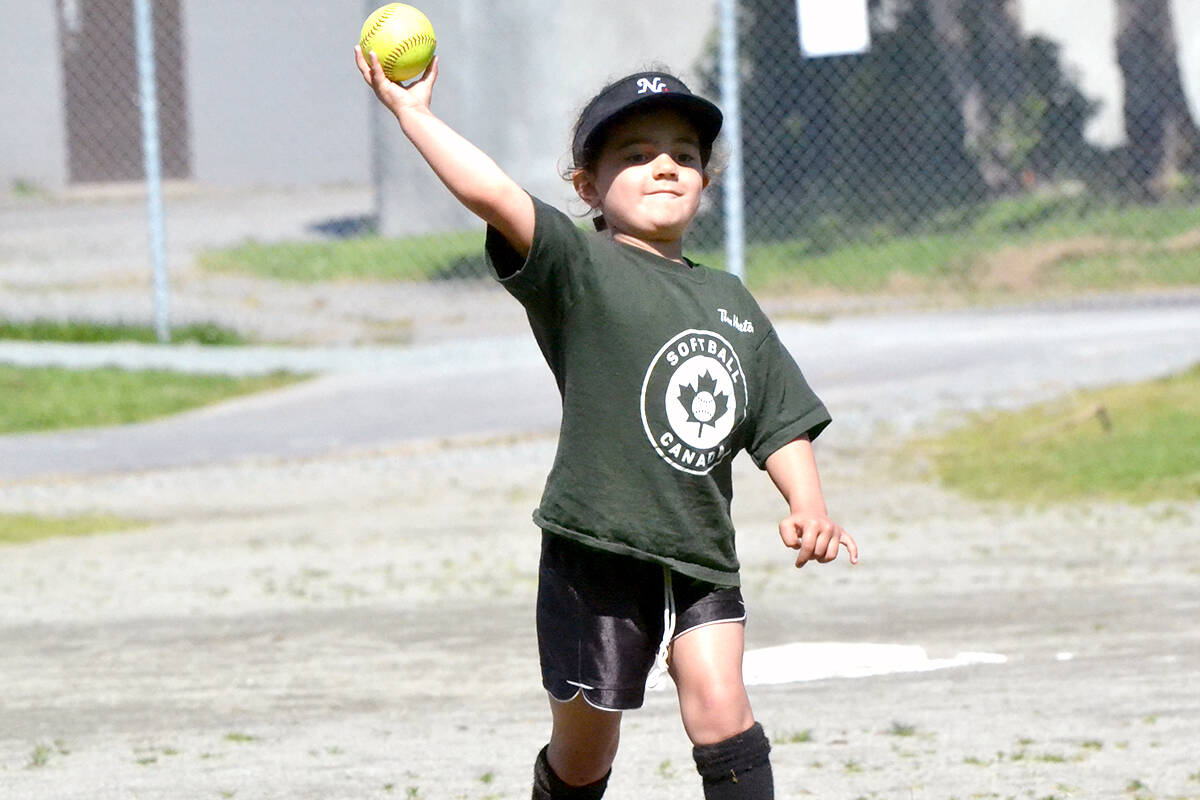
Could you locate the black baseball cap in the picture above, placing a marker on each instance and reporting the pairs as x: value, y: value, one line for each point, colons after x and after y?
x: 639, y: 92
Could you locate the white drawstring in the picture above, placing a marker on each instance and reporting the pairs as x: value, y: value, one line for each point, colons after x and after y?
x: 660, y: 669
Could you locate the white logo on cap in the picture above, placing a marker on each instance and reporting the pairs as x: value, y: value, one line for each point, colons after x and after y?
x: 647, y: 85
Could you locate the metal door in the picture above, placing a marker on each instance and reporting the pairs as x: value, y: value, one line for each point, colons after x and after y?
x: 103, y: 118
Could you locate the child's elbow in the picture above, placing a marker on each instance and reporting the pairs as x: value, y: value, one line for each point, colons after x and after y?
x: 510, y: 213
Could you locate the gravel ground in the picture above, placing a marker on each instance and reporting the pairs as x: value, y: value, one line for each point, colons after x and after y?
x: 359, y: 624
x: 362, y: 627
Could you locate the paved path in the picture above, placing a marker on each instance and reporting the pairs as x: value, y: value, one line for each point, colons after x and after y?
x: 902, y: 369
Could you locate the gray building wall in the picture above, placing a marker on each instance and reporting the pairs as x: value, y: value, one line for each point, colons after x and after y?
x: 32, y: 134
x: 274, y: 98
x: 513, y: 76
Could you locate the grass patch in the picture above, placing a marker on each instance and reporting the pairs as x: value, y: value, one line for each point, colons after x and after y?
x: 53, y: 398
x: 1119, y: 270
x: 39, y: 757
x: 25, y: 528
x: 1124, y: 247
x: 93, y: 332
x: 1135, y: 442
x: 863, y: 266
x: 1130, y: 247
x: 415, y: 258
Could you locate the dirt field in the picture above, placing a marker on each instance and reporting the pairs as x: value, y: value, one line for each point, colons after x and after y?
x: 361, y: 626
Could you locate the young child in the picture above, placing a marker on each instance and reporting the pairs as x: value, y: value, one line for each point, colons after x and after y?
x: 666, y: 369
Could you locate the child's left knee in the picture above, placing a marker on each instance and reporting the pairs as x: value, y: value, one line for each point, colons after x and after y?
x: 715, y: 713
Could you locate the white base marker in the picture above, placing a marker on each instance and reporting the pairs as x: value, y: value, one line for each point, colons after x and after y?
x: 813, y: 661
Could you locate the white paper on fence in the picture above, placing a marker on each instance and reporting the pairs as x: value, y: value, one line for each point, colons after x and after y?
x: 833, y: 27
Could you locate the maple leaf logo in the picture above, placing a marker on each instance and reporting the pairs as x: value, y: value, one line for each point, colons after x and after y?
x: 702, y: 402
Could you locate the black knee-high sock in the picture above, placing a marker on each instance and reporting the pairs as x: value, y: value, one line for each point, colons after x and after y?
x: 738, y: 768
x: 548, y: 786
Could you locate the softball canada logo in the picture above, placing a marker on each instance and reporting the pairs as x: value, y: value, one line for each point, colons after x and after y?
x: 693, y: 397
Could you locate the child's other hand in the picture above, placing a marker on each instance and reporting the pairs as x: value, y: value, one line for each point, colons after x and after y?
x: 817, y: 537
x: 393, y: 95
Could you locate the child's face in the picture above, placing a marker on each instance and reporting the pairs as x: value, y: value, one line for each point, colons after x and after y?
x: 648, y: 178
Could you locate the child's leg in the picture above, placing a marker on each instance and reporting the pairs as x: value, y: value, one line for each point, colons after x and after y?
x: 731, y: 750
x: 706, y: 664
x: 583, y: 741
x: 577, y: 762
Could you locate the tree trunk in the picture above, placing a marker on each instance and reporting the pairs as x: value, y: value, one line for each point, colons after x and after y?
x: 1162, y: 136
x: 980, y: 45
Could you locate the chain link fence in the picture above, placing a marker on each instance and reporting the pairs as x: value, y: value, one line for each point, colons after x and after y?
x: 955, y: 153
x: 104, y: 114
x: 963, y: 151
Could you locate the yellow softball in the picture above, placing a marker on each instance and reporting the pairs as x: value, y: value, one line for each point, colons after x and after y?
x: 403, y: 39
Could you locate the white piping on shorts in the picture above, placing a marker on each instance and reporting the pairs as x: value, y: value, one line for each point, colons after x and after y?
x: 661, y: 667
x: 742, y: 618
x: 585, y: 698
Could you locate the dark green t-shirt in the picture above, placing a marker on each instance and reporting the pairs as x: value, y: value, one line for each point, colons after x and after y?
x: 666, y: 371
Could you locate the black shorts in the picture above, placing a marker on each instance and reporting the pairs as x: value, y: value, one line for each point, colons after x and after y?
x: 601, y: 619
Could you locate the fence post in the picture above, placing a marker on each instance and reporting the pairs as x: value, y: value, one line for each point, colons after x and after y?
x: 735, y: 225
x: 152, y: 160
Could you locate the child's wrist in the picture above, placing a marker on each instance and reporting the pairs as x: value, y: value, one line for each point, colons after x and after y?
x: 409, y: 109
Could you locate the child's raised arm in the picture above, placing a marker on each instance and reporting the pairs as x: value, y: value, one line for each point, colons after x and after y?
x: 469, y: 173
x: 807, y: 528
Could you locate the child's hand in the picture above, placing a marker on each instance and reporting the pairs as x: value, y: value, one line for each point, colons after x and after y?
x: 817, y: 537
x: 393, y: 95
